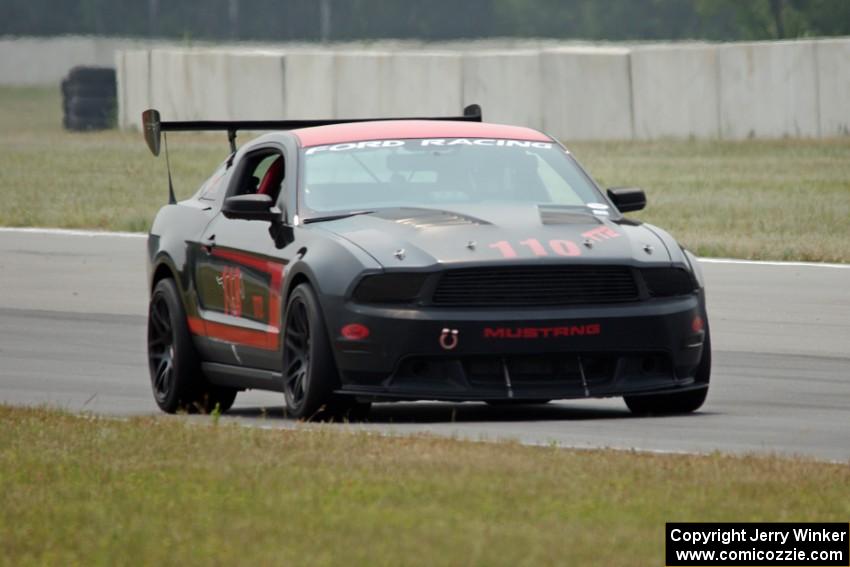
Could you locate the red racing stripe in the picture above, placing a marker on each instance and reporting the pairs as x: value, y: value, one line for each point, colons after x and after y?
x: 266, y: 340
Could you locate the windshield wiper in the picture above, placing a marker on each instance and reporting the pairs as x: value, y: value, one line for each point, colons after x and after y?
x: 337, y: 216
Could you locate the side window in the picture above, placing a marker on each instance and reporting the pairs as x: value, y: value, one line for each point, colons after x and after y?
x: 210, y: 189
x: 262, y: 173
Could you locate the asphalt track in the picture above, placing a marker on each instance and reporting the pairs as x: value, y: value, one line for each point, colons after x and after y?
x: 72, y: 335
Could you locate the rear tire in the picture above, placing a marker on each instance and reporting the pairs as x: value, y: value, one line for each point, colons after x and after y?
x: 175, y: 369
x: 309, y: 371
x: 679, y: 402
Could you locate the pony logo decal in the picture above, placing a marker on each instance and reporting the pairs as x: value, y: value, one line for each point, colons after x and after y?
x: 231, y: 283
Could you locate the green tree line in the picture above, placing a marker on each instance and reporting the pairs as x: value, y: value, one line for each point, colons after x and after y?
x: 285, y: 20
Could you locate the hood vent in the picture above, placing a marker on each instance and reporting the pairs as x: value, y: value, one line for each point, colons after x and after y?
x: 550, y: 216
x: 427, y: 218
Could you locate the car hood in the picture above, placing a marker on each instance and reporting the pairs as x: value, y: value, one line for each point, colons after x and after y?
x: 481, y: 234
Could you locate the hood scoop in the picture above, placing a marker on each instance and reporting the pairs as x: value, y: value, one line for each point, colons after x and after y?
x: 551, y: 216
x: 427, y: 218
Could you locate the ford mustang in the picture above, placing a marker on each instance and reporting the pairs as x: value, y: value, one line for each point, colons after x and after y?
x: 343, y: 262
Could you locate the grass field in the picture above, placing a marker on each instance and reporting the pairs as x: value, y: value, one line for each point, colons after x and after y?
x: 88, y: 491
x: 787, y: 199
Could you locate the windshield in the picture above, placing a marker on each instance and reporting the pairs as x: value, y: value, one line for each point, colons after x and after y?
x: 440, y: 173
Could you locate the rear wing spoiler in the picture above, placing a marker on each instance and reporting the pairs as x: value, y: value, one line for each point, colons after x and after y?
x: 154, y: 127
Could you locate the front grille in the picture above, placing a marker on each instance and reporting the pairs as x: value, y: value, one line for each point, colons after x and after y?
x: 535, y: 286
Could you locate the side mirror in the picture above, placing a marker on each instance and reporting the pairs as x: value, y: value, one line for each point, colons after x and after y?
x: 627, y: 199
x: 250, y: 207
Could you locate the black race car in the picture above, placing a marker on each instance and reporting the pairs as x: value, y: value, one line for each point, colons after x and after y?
x: 344, y: 262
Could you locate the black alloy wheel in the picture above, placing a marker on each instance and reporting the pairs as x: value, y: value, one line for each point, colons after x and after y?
x: 297, y: 353
x: 161, y: 350
x: 175, y: 369
x: 309, y: 371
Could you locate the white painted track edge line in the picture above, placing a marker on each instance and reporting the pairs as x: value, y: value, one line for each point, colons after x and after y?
x: 104, y: 233
x: 773, y: 263
x: 553, y: 443
x: 72, y: 232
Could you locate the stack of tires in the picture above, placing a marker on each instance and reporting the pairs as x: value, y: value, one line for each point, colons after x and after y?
x: 88, y: 98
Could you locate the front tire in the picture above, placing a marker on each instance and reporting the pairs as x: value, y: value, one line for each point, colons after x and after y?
x: 309, y: 371
x: 175, y: 369
x: 680, y: 402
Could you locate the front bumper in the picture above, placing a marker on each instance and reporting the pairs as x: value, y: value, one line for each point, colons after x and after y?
x: 523, y: 354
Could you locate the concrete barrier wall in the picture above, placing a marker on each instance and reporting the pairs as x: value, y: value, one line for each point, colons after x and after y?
x: 674, y: 92
x: 134, y: 86
x: 732, y: 91
x: 833, y: 69
x: 586, y: 93
x: 37, y: 61
x: 254, y: 88
x: 421, y: 84
x: 357, y: 92
x: 374, y: 84
x: 205, y: 74
x: 215, y: 84
x: 505, y: 83
x: 34, y: 61
x: 31, y: 61
x: 170, y: 91
x: 768, y: 90
x: 309, y: 84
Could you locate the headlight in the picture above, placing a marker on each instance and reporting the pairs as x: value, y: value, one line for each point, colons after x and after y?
x: 664, y: 282
x: 389, y: 288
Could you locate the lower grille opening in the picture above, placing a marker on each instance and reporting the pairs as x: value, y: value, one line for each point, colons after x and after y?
x: 552, y: 375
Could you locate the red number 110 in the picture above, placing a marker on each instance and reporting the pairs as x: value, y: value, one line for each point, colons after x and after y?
x: 558, y: 247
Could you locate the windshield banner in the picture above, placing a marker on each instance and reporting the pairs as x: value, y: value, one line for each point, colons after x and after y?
x: 429, y: 142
